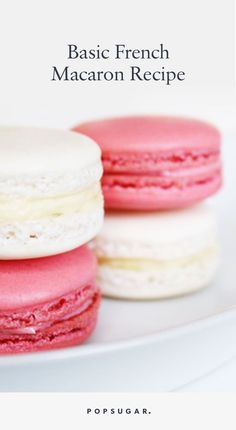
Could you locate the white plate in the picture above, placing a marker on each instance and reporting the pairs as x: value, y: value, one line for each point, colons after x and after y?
x: 145, y: 346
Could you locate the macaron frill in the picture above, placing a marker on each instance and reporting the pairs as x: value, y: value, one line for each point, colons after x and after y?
x: 49, y: 302
x: 153, y: 163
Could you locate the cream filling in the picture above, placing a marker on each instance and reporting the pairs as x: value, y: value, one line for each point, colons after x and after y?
x: 138, y: 264
x: 13, y: 208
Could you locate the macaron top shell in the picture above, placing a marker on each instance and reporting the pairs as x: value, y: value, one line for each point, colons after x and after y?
x: 32, y: 282
x: 37, y: 151
x: 157, y: 235
x: 157, y: 227
x: 43, y: 162
x: 151, y: 133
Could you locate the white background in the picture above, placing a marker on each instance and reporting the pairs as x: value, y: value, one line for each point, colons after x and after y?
x: 68, y: 411
x: 34, y: 37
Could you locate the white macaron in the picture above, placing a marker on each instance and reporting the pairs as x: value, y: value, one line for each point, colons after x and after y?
x: 157, y: 255
x: 50, y: 195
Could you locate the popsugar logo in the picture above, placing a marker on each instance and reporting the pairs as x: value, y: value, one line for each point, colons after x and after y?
x: 117, y: 411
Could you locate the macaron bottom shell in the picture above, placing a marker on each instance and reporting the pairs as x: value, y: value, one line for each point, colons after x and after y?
x: 59, y: 334
x: 151, y: 193
x: 176, y: 279
x: 48, y: 236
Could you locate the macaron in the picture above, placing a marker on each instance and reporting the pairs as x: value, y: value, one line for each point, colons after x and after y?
x: 157, y: 254
x: 50, y: 193
x: 156, y: 162
x: 49, y: 302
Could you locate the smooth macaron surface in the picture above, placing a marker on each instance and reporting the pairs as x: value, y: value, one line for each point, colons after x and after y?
x: 35, y: 281
x: 34, y: 151
x: 156, y: 162
x: 48, y: 302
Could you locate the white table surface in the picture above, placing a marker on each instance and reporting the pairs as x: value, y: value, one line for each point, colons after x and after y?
x: 222, y: 379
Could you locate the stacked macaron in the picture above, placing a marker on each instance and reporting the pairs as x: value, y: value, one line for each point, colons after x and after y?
x: 157, y: 240
x: 51, y: 205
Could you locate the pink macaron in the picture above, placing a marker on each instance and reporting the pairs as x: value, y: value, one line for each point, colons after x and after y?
x: 156, y: 162
x: 49, y: 302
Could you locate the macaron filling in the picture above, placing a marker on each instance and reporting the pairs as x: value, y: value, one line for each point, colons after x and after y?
x: 139, y: 264
x: 153, y: 162
x: 14, y: 208
x: 161, y: 182
x: 148, y: 172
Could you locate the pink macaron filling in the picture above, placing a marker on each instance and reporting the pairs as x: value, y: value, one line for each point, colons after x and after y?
x: 154, y: 184
x: 152, y: 163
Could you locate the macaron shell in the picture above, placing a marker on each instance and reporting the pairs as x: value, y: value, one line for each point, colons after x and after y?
x: 49, y: 236
x: 158, y: 236
x: 182, y: 279
x: 152, y: 133
x: 72, y: 331
x: 43, y: 315
x: 27, y: 283
x: 35, y: 151
x: 49, y: 302
x: 119, y: 195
